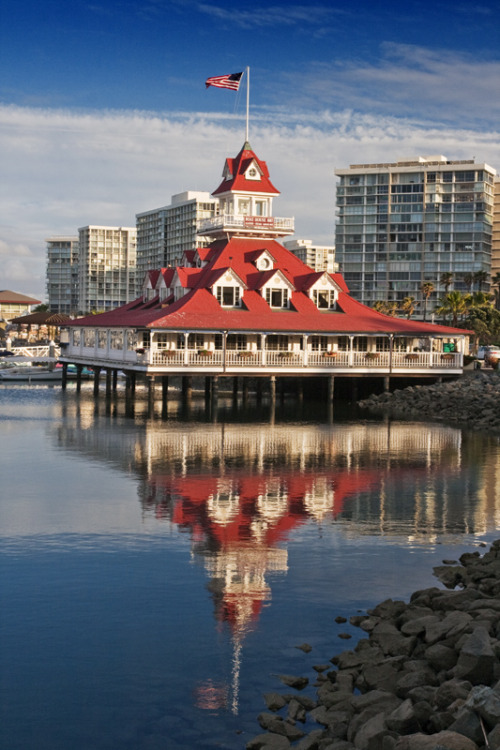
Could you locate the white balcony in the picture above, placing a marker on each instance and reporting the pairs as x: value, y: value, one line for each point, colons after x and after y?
x: 247, y: 225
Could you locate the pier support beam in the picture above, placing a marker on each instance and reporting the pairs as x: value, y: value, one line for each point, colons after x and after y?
x: 331, y: 388
x: 245, y: 390
x: 164, y: 389
x: 97, y: 375
x: 65, y: 376
x: 387, y: 383
x: 79, y: 369
x: 115, y: 379
x: 235, y: 389
x: 272, y: 388
x: 109, y: 374
x: 187, y: 387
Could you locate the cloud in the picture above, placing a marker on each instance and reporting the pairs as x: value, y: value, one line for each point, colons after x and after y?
x: 405, y: 80
x: 65, y: 169
x: 271, y: 16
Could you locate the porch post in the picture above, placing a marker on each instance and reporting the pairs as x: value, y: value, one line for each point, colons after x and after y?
x: 263, y: 341
x: 350, y: 355
x: 305, y: 352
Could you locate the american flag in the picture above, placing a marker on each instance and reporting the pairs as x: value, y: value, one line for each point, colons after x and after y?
x: 231, y: 81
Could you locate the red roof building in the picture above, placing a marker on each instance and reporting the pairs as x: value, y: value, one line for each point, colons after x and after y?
x: 246, y: 305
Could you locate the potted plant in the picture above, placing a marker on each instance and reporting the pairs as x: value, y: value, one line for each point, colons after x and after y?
x: 244, y: 354
x: 285, y: 355
x: 329, y: 354
x: 372, y: 355
x: 411, y: 356
x: 447, y: 357
x: 168, y: 352
x: 140, y: 350
x: 204, y: 353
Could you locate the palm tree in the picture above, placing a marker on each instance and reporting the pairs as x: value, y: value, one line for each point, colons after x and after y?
x: 479, y: 299
x: 495, y: 284
x: 446, y: 279
x: 385, y: 307
x: 453, y: 304
x: 427, y: 288
x: 408, y: 305
x: 480, y: 277
x: 469, y: 281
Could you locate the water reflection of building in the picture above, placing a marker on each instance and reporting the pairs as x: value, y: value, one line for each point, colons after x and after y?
x: 241, y: 491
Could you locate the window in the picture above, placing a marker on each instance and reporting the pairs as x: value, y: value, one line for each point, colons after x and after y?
x: 277, y: 343
x: 277, y: 297
x: 319, y: 343
x: 236, y: 341
x: 196, y: 341
x: 228, y: 296
x: 324, y: 299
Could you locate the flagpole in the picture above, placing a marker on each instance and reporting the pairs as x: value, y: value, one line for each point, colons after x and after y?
x: 248, y: 103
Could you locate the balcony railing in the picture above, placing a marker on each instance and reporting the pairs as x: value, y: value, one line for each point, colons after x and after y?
x: 339, y: 360
x: 251, y: 224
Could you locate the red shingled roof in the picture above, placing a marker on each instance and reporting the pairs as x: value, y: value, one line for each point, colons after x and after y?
x: 235, y: 179
x: 199, y: 310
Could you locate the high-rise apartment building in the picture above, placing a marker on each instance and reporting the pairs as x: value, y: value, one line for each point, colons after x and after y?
x: 62, y: 274
x: 106, y: 268
x: 406, y: 223
x: 163, y: 234
x: 319, y: 257
x: 495, y: 252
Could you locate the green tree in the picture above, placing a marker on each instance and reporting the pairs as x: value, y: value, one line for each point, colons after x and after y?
x: 479, y: 299
x: 469, y: 281
x: 446, y: 279
x: 454, y: 305
x: 408, y: 305
x: 495, y: 284
x: 485, y: 321
x: 480, y: 278
x: 427, y: 288
x: 386, y: 307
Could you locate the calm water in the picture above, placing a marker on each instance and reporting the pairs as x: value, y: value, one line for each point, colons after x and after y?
x: 157, y: 571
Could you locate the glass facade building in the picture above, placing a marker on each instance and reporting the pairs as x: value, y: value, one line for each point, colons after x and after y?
x: 402, y: 224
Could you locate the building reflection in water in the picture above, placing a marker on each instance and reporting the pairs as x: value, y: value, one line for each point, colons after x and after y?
x: 241, y: 490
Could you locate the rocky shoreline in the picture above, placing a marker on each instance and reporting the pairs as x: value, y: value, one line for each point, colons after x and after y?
x: 425, y: 677
x: 472, y: 401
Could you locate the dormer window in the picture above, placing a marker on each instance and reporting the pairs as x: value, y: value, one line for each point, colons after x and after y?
x: 228, y: 296
x: 277, y: 297
x: 324, y: 299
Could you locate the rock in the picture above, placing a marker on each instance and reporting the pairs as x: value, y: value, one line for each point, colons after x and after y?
x: 403, y: 720
x: 274, y: 701
x: 371, y: 734
x: 476, y: 659
x: 486, y: 701
x: 305, y: 647
x: 441, y: 657
x: 446, y: 740
x: 296, y: 711
x: 468, y: 724
x: 268, y: 741
x: 298, y: 683
x: 311, y: 741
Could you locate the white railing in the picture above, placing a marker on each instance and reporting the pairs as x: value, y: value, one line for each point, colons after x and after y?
x: 36, y: 351
x: 177, y: 359
x: 233, y: 221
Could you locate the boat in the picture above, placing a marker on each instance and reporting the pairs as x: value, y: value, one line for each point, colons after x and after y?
x: 29, y: 374
x: 33, y: 373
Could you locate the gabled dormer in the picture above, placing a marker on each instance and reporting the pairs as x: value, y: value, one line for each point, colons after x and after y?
x: 149, y: 285
x: 322, y: 290
x: 277, y: 290
x: 228, y: 288
x: 265, y: 261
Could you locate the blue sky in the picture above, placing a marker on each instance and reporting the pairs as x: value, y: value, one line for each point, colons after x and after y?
x: 104, y: 112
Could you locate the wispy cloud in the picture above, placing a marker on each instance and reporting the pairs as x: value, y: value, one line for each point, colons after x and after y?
x: 406, y: 80
x: 64, y: 169
x: 271, y: 15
